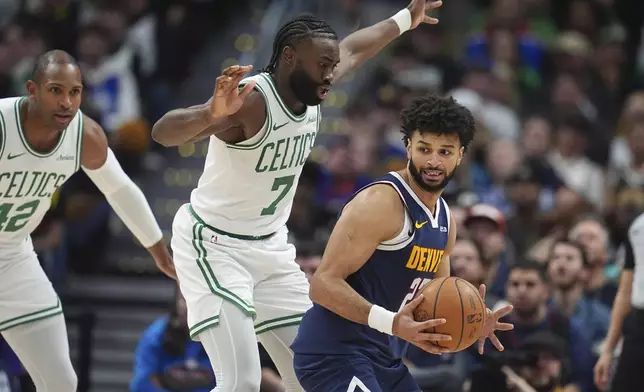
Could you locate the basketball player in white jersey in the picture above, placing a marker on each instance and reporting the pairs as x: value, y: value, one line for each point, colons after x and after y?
x: 235, y: 267
x: 44, y: 140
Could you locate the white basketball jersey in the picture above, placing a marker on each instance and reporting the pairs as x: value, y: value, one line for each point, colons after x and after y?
x: 248, y: 188
x: 28, y: 178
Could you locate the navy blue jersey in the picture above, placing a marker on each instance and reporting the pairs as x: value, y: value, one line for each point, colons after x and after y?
x: 390, y: 278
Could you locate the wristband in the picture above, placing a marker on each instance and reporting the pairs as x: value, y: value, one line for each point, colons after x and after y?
x: 381, y: 319
x: 403, y: 20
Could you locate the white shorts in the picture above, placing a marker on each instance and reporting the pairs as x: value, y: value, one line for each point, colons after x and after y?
x: 260, y: 277
x: 26, y: 294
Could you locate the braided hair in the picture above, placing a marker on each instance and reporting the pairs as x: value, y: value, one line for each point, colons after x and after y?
x: 296, y: 30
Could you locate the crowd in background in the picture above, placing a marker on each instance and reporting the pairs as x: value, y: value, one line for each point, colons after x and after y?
x: 543, y: 198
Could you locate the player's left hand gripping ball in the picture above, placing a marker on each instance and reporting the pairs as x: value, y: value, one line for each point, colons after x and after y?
x: 419, y: 10
x: 492, y: 324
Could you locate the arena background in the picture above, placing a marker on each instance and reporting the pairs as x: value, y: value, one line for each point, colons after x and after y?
x: 554, y: 85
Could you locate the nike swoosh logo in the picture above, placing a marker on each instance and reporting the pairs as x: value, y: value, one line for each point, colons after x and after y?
x: 276, y: 127
x: 419, y: 225
x: 15, y: 156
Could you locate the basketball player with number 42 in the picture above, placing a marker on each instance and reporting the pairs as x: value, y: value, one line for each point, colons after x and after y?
x: 384, y: 275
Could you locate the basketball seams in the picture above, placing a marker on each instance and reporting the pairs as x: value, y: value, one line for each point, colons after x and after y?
x: 436, y: 307
x: 483, y: 307
x: 460, y: 300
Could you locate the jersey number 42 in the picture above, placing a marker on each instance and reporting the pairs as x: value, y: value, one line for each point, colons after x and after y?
x: 13, y: 219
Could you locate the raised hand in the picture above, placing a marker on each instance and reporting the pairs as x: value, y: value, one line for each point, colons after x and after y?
x: 419, y: 10
x: 414, y: 332
x: 492, y: 324
x: 227, y: 98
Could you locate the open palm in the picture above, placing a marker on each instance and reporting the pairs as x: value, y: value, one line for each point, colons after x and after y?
x: 493, y: 324
x: 419, y: 10
x: 228, y: 98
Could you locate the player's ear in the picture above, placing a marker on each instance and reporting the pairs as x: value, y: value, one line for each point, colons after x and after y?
x: 461, y: 152
x: 31, y: 87
x: 288, y: 54
x: 408, y: 147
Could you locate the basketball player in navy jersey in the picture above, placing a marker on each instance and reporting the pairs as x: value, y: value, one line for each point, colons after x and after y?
x: 392, y: 237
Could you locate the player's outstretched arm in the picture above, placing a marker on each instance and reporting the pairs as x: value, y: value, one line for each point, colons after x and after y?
x: 127, y: 200
x: 229, y: 114
x: 366, y: 43
x: 374, y: 215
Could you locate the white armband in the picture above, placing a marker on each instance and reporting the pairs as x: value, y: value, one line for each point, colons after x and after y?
x: 127, y: 200
x: 381, y: 319
x: 403, y: 20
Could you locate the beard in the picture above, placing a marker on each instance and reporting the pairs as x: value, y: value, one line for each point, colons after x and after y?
x: 304, y: 87
x: 526, y: 313
x: 566, y: 285
x: 417, y: 175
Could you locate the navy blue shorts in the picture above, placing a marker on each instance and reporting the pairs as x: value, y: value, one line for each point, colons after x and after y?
x: 351, y: 373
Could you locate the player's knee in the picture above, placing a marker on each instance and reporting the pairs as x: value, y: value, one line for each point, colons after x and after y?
x: 244, y: 380
x: 68, y: 381
x: 61, y: 380
x: 249, y: 382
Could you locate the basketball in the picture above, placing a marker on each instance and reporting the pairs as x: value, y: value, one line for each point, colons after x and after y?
x: 460, y: 304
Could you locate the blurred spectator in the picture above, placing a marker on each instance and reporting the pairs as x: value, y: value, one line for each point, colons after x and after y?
x: 567, y: 268
x: 167, y: 360
x: 310, y: 223
x: 13, y: 376
x: 572, y: 166
x: 543, y: 368
x: 527, y: 291
x: 536, y: 137
x: 486, y: 225
x: 501, y: 159
x: 601, y: 282
x: 524, y: 191
x: 338, y: 180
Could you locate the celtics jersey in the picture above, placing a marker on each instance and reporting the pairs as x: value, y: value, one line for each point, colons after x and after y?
x: 28, y: 178
x: 247, y: 188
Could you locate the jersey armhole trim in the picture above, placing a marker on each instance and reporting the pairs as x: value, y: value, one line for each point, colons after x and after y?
x: 448, y: 215
x: 267, y: 127
x: 79, y: 140
x: 384, y: 245
x: 408, y: 235
x: 3, y: 135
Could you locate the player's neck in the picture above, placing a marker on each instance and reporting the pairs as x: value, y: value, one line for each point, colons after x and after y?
x: 429, y: 199
x: 286, y: 93
x: 33, y: 128
x: 568, y: 298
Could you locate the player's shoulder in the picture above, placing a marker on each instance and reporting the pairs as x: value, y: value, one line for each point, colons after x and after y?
x: 377, y: 198
x: 90, y: 127
x: 255, y: 102
x: 8, y: 103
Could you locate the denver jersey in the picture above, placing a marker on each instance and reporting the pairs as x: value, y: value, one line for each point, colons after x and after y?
x: 390, y: 278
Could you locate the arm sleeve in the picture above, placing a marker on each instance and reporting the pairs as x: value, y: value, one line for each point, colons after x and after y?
x: 127, y: 200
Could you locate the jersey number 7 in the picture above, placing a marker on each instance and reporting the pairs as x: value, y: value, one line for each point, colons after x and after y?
x: 286, y: 183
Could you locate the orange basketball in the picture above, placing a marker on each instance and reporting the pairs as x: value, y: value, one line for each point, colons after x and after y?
x: 460, y: 304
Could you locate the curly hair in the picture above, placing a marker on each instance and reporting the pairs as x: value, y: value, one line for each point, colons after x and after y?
x: 438, y: 115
